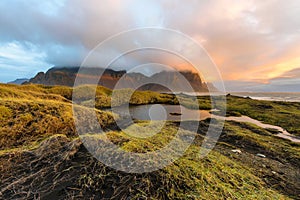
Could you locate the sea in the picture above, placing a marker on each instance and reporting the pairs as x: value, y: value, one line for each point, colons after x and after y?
x: 267, y: 96
x: 271, y: 96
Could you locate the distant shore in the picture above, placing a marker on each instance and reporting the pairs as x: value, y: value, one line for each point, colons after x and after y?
x: 271, y: 96
x: 266, y: 96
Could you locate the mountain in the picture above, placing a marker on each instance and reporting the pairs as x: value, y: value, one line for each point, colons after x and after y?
x: 19, y: 81
x: 158, y: 82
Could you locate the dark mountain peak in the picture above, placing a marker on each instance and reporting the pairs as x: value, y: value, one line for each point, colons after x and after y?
x: 109, y: 78
x: 19, y: 81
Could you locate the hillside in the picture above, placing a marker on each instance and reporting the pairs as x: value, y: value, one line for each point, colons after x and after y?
x: 42, y: 157
x: 66, y: 76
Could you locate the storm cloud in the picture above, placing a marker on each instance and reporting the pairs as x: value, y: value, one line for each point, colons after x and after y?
x: 251, y: 42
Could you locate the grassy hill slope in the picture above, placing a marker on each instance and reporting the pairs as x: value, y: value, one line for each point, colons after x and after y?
x: 41, y: 155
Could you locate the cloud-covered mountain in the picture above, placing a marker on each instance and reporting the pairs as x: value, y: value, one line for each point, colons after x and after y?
x: 109, y: 78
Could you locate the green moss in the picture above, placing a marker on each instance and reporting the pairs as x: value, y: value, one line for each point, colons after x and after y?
x: 260, y: 140
x: 214, y: 177
x: 32, y: 113
x: 284, y: 114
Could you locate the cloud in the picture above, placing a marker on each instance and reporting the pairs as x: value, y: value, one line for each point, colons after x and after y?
x: 250, y: 41
x: 16, y: 60
x: 285, y: 82
x: 294, y: 73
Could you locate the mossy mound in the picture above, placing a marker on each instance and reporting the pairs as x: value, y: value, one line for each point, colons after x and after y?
x: 62, y: 169
x: 42, y: 157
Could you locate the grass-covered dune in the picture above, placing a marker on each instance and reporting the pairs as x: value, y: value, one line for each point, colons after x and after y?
x: 283, y: 114
x: 42, y: 157
x: 278, y: 113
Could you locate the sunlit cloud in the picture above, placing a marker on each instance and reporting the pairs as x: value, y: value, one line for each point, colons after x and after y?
x: 251, y: 42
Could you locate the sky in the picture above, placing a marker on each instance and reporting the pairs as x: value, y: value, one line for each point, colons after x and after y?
x: 255, y: 44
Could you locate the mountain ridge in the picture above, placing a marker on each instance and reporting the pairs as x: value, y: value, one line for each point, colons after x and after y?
x: 18, y: 81
x: 160, y: 81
